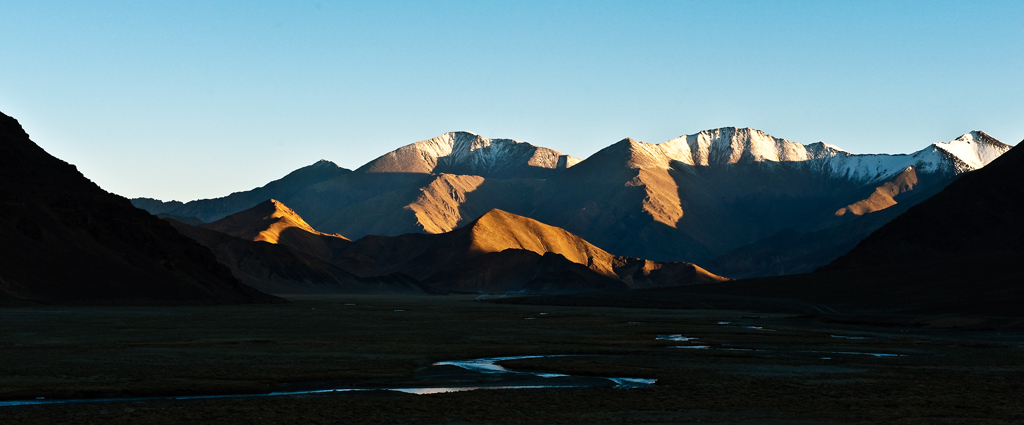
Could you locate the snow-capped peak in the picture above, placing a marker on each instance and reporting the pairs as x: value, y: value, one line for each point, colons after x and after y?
x: 463, y: 152
x: 973, y: 150
x: 965, y: 153
x: 323, y: 163
x: 730, y: 145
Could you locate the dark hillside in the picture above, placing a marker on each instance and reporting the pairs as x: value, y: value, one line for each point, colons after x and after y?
x: 66, y: 240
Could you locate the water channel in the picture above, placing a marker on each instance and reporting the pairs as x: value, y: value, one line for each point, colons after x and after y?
x: 457, y: 375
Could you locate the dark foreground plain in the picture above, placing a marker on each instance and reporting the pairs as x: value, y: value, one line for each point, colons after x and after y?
x: 759, y: 368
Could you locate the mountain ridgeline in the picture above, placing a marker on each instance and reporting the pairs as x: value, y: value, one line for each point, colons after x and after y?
x: 462, y: 213
x: 67, y: 241
x: 272, y: 249
x: 955, y: 253
x: 739, y: 201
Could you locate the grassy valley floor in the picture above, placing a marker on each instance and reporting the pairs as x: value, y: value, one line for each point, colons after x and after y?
x: 757, y: 368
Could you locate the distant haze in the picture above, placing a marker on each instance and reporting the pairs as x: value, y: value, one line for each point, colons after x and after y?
x: 172, y: 101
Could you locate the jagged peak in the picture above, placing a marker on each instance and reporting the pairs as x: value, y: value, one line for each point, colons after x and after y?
x: 273, y: 209
x: 469, y: 153
x: 323, y: 163
x: 972, y: 151
x: 633, y: 154
x: 976, y: 136
x: 821, y: 149
x: 263, y: 222
x: 279, y: 207
x: 724, y: 145
x: 496, y: 214
x: 729, y: 145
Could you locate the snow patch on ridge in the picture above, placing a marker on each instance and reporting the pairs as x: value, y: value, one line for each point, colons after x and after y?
x: 468, y: 153
x: 732, y: 145
x: 974, y: 150
x: 969, y: 152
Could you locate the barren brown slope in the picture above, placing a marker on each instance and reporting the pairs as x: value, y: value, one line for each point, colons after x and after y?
x: 263, y: 222
x: 884, y: 195
x: 65, y: 240
x: 279, y: 269
x: 275, y: 223
x: 391, y: 204
x: 498, y: 230
x: 423, y: 256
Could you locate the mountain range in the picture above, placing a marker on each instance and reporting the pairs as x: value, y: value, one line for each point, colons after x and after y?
x: 738, y: 201
x: 937, y: 231
x: 956, y: 253
x: 274, y: 250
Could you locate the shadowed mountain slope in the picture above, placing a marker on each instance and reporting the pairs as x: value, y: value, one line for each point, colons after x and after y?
x: 791, y: 252
x: 955, y: 253
x: 979, y: 213
x: 65, y: 240
x: 209, y: 210
x: 494, y: 235
x: 498, y: 252
x: 519, y: 270
x: 279, y: 269
x: 694, y: 198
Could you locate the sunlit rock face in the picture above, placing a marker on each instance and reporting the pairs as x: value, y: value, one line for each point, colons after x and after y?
x: 744, y: 202
x: 270, y: 247
x: 467, y: 153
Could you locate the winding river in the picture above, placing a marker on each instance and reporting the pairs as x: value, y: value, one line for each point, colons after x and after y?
x: 458, y: 375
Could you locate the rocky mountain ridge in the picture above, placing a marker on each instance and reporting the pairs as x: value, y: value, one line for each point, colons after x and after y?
x: 498, y: 252
x: 463, y: 152
x: 694, y: 198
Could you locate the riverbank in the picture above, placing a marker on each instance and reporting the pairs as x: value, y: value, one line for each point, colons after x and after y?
x: 724, y: 366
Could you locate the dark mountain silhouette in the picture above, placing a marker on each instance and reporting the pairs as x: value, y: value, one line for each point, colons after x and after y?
x: 979, y: 214
x: 278, y: 269
x: 65, y: 240
x: 208, y: 210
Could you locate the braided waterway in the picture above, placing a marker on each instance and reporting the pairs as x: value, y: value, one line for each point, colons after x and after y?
x: 456, y: 375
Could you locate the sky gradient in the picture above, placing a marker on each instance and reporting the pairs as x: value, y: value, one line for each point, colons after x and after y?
x: 189, y: 100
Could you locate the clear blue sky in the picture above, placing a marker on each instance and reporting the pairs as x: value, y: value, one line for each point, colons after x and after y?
x: 187, y: 100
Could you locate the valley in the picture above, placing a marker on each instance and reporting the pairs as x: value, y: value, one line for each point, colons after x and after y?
x: 239, y: 310
x: 758, y: 367
x: 522, y: 213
